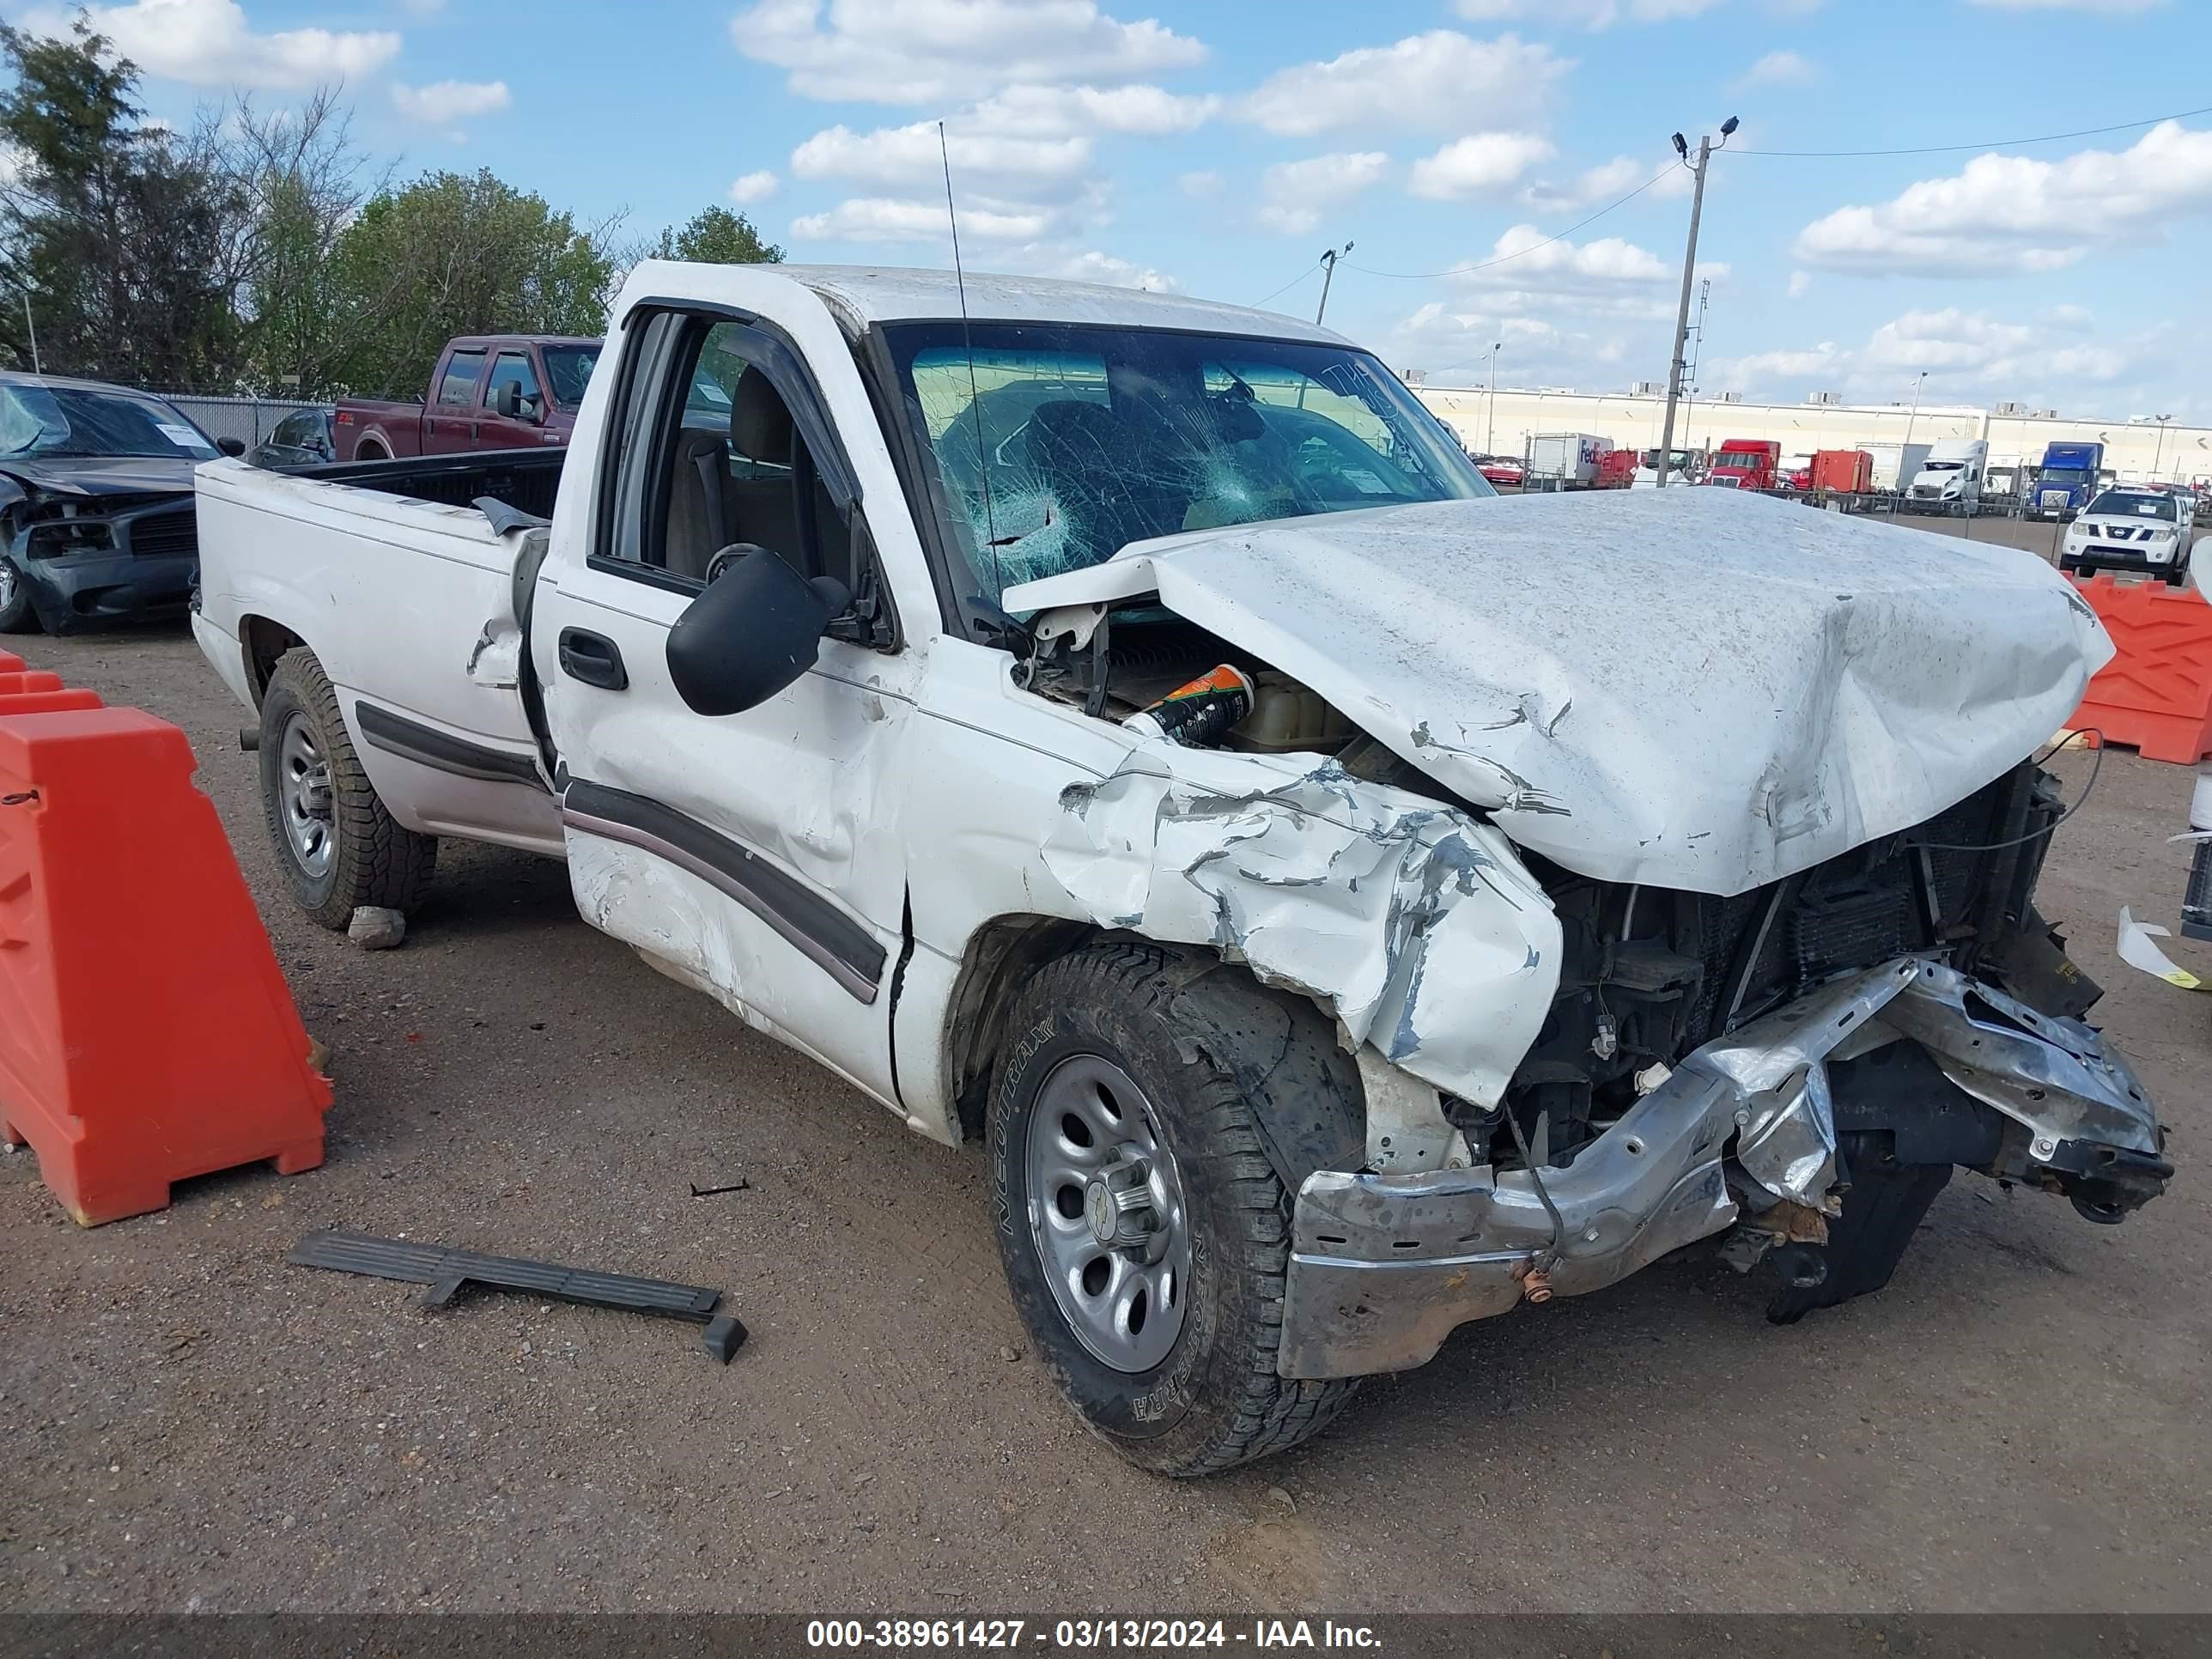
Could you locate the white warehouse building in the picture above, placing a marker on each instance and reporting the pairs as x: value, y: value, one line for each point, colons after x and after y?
x: 2136, y: 449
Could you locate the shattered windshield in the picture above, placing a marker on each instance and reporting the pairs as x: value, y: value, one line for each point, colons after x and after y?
x: 1057, y: 446
x: 570, y: 369
x: 61, y: 420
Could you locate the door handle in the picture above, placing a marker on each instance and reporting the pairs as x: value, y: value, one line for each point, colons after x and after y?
x: 593, y: 659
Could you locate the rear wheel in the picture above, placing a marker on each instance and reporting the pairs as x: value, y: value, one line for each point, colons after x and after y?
x: 338, y: 848
x: 1145, y: 1233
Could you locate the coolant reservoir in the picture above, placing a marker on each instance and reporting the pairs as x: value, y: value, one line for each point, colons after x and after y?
x: 1285, y: 716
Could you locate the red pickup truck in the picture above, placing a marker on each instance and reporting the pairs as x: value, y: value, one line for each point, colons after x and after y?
x: 487, y: 392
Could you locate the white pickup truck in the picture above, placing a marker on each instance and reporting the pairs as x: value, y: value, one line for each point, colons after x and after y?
x: 1577, y: 878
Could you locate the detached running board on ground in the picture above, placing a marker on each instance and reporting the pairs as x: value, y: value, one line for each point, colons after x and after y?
x: 445, y: 1271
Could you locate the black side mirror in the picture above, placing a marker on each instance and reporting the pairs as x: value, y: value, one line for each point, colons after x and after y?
x: 233, y: 447
x: 507, y: 400
x: 755, y: 630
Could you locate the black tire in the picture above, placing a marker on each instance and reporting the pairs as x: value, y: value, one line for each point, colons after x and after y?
x: 17, y: 616
x: 373, y: 859
x: 1185, y: 1030
x: 370, y: 450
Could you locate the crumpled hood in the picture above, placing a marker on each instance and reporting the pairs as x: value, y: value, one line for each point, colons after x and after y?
x: 100, y: 475
x: 1692, y: 689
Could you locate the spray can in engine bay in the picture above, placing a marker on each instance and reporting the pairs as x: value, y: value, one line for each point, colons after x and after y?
x: 1199, y: 715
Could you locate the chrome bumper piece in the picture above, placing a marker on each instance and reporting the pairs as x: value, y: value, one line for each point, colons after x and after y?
x: 1383, y: 1268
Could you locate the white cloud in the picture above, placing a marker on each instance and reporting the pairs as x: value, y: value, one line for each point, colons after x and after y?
x: 909, y: 157
x: 1451, y: 343
x: 1294, y: 193
x: 1144, y: 111
x: 1093, y: 266
x: 1966, y: 354
x: 888, y: 219
x: 939, y: 52
x: 1593, y: 185
x: 1525, y: 252
x: 1779, y: 69
x: 209, y: 43
x: 446, y: 101
x: 1424, y: 82
x: 2011, y: 213
x: 752, y: 187
x: 1206, y: 183
x: 1800, y: 281
x: 1481, y: 163
x: 1585, y: 14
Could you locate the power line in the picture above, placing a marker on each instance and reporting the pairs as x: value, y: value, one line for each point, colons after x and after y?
x: 1288, y: 286
x: 1505, y: 258
x: 1993, y: 143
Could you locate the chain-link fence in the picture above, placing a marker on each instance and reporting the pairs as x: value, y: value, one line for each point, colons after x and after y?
x: 249, y: 419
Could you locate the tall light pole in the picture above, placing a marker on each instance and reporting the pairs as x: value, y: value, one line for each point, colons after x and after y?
x: 1689, y: 266
x: 1329, y: 258
x: 33, y: 329
x: 1490, y: 404
x: 1920, y: 380
x: 2159, y: 454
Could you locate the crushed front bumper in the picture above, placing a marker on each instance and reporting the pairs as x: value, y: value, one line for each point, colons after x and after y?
x: 1382, y: 1268
x: 95, y: 590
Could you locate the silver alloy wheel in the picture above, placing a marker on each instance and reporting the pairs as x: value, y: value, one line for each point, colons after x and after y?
x: 8, y: 581
x: 1106, y: 1211
x: 303, y: 788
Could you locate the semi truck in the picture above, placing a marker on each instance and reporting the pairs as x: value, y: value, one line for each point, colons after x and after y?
x: 2066, y: 480
x: 1950, y: 479
x: 1745, y: 464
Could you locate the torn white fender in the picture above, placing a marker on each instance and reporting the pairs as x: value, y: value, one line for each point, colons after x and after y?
x: 1412, y: 923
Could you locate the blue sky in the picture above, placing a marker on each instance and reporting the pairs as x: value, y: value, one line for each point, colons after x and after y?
x: 1219, y: 148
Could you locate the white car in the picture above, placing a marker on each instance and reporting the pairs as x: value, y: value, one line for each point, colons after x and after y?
x: 1497, y: 895
x: 2133, y: 528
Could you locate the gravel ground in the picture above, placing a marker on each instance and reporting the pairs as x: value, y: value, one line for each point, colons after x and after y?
x: 2016, y: 1423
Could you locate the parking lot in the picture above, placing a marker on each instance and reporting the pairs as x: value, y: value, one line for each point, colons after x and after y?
x: 2016, y: 1423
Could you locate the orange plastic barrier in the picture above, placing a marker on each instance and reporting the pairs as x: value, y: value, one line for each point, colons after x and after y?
x: 2157, y: 693
x: 146, y: 1032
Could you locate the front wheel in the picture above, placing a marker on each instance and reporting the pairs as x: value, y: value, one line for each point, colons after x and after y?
x: 338, y: 848
x: 1145, y: 1233
x: 17, y: 616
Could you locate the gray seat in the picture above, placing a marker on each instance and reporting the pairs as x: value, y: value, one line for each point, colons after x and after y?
x: 710, y: 509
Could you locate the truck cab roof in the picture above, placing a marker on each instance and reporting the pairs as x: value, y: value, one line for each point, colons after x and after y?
x: 863, y: 296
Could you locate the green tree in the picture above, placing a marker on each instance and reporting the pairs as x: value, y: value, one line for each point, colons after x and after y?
x: 458, y: 253
x: 717, y: 237
x: 122, y: 232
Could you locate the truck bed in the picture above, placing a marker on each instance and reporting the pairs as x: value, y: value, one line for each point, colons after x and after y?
x: 403, y: 590
x: 524, y: 478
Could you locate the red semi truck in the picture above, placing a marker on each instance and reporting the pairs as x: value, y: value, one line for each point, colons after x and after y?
x: 487, y: 392
x: 1745, y: 464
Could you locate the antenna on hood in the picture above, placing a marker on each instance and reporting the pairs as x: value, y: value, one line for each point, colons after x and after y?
x: 967, y: 341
